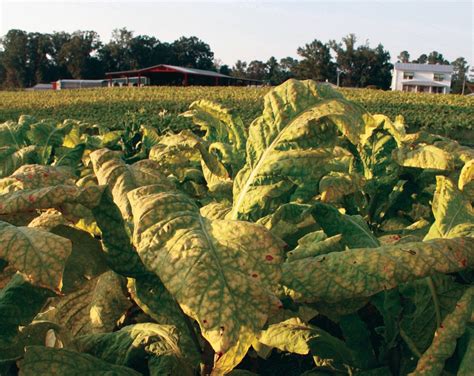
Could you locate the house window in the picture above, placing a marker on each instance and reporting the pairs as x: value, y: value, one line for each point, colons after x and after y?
x: 438, y: 77
x: 437, y: 89
x: 408, y: 88
x: 408, y: 75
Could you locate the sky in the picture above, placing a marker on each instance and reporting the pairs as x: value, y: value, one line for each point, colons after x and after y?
x: 255, y: 30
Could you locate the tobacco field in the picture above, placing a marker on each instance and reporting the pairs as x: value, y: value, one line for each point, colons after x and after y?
x: 159, y: 107
x: 306, y: 236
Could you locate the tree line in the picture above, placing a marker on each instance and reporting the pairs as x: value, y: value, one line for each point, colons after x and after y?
x: 27, y: 58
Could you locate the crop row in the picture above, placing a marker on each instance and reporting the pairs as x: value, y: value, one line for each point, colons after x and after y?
x: 160, y: 106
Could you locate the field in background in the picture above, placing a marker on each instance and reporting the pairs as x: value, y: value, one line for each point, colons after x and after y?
x: 451, y: 115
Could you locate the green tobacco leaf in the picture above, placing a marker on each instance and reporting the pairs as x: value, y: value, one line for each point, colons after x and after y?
x: 444, y: 340
x: 20, y: 302
x: 121, y: 178
x: 86, y: 261
x: 312, y: 245
x: 12, y: 158
x: 467, y: 363
x: 358, y: 273
x: 69, y: 157
x: 466, y: 179
x: 295, y: 336
x: 152, y: 297
x: 14, y: 134
x: 220, y: 124
x: 41, y: 360
x: 426, y: 302
x: 39, y: 254
x: 376, y: 155
x: 354, y: 230
x: 290, y: 222
x: 38, y: 333
x: 334, y: 186
x: 224, y: 130
x: 177, y: 154
x: 290, y: 146
x: 48, y: 133
x: 120, y: 254
x: 95, y: 308
x: 221, y: 272
x: 132, y: 345
x: 424, y: 156
x: 357, y: 338
x: 454, y: 215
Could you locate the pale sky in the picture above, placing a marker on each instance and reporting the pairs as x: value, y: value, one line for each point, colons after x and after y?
x: 251, y: 30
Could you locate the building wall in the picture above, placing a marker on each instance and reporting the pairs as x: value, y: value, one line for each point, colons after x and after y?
x: 397, y: 78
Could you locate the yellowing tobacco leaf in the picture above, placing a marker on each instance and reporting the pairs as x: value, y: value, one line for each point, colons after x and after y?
x: 363, y: 272
x: 444, y: 341
x: 110, y: 169
x: 290, y: 146
x: 454, y: 215
x: 39, y: 254
x: 424, y: 156
x: 221, y: 272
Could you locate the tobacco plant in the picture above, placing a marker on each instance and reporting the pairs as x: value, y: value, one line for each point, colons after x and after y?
x: 318, y: 240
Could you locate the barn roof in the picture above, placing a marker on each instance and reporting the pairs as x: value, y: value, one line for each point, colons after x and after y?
x: 174, y: 68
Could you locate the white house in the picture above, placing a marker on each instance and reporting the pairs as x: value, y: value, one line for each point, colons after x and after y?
x: 422, y: 78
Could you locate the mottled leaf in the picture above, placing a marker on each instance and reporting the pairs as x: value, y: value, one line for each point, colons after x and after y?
x: 444, y: 341
x: 121, y: 178
x: 364, y: 272
x: 39, y: 360
x: 424, y: 156
x: 152, y: 297
x: 95, y: 308
x: 290, y: 146
x: 220, y: 272
x: 39, y: 254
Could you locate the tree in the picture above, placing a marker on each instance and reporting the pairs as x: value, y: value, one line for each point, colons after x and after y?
x: 239, y: 69
x: 40, y: 64
x: 460, y: 69
x: 289, y: 67
x: 15, y: 58
x: 257, y: 70
x: 117, y: 55
x: 225, y: 69
x: 422, y: 59
x: 77, y: 54
x: 317, y: 63
x: 436, y: 58
x: 403, y: 57
x: 362, y: 66
x: 193, y: 53
x: 346, y: 59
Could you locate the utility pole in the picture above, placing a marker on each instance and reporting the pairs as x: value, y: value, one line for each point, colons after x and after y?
x: 338, y: 71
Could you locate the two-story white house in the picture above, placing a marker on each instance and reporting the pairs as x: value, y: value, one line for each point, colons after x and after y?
x: 422, y: 78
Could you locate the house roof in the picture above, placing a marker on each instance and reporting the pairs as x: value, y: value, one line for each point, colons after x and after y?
x: 438, y: 68
x: 161, y: 67
x: 423, y: 83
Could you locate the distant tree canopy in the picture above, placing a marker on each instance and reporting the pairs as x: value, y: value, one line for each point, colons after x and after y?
x: 30, y: 58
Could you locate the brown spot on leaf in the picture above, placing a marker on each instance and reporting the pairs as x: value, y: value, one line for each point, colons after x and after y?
x: 269, y: 257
